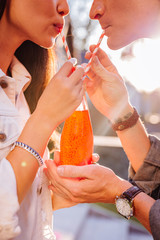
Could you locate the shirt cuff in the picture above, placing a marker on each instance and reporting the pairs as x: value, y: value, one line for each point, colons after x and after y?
x: 9, y: 205
x: 148, y: 175
x: 154, y: 220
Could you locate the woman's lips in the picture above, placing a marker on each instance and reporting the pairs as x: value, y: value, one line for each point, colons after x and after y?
x: 58, y: 27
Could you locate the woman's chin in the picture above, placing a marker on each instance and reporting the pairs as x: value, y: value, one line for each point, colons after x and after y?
x: 48, y: 44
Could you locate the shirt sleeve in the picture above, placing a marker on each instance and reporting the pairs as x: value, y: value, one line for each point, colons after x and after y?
x: 9, y: 205
x: 154, y: 220
x: 148, y: 175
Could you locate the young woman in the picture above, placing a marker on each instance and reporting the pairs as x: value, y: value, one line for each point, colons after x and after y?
x: 28, y: 29
x: 123, y: 22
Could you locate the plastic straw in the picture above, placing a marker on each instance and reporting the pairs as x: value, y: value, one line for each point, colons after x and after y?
x: 65, y: 45
x: 94, y: 52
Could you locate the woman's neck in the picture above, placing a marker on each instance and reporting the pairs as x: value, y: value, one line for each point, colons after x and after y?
x: 9, y: 42
x: 6, y: 56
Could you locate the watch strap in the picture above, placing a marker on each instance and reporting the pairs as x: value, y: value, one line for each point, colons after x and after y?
x: 131, y: 192
x: 130, y: 122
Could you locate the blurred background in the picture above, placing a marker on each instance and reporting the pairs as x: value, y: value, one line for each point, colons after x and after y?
x: 138, y: 63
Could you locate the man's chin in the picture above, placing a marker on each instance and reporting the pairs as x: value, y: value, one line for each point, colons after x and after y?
x: 115, y: 45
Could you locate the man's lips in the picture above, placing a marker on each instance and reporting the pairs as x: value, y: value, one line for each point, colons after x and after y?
x: 105, y: 27
x: 107, y: 30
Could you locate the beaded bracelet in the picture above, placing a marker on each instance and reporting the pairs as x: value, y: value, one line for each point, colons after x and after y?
x: 30, y: 150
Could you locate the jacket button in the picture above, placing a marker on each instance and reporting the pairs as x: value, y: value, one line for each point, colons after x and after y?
x: 3, y: 84
x: 2, y: 137
x: 39, y: 190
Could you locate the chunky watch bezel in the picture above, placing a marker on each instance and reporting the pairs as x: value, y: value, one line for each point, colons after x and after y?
x: 120, y: 203
x: 126, y: 201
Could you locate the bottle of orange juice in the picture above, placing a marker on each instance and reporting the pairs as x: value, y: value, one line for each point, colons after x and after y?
x: 76, y: 145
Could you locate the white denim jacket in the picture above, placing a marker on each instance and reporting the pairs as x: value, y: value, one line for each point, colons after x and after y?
x: 32, y: 220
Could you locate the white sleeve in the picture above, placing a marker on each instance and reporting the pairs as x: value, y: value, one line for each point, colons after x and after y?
x: 9, y: 205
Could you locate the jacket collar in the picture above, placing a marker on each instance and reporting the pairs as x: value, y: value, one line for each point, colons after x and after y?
x: 20, y: 74
x: 18, y: 82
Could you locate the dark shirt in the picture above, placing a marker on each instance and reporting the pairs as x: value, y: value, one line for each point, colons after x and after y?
x: 148, y: 178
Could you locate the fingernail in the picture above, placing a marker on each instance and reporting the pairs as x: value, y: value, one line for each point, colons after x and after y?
x: 96, y: 155
x: 73, y: 61
x: 60, y: 170
x: 79, y: 66
x: 88, y: 53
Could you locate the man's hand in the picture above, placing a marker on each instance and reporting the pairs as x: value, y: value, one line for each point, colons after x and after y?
x: 84, y: 184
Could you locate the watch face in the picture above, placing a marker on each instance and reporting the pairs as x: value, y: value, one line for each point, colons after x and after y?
x: 123, y: 207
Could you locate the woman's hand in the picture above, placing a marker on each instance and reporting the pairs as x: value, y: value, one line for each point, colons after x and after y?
x: 62, y: 95
x: 106, y: 88
x: 89, y: 183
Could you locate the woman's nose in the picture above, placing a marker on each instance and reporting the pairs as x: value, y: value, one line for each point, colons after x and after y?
x: 63, y: 7
x: 97, y: 9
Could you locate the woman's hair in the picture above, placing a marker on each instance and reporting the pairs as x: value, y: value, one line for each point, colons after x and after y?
x: 38, y: 61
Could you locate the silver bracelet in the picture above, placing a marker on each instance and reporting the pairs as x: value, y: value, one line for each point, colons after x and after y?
x: 30, y: 150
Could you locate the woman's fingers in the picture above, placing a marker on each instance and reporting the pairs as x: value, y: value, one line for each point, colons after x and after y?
x: 77, y: 75
x: 57, y: 157
x: 67, y: 67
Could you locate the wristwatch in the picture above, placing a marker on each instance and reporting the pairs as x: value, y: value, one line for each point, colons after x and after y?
x: 124, y: 203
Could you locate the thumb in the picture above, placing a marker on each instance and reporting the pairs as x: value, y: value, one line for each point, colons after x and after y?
x: 101, y: 72
x: 69, y: 171
x: 98, y: 68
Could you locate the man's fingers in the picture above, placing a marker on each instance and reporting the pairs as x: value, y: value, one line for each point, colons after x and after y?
x: 88, y: 55
x: 69, y: 171
x: 92, y: 47
x: 97, y: 67
x: 52, y: 175
x: 103, y: 57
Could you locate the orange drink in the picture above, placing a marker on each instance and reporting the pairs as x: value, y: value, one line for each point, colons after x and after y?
x: 76, y: 146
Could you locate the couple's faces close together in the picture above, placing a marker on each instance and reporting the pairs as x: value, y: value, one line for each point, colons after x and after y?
x: 123, y: 20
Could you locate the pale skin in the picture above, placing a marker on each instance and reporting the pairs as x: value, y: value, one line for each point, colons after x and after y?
x: 40, y: 23
x: 123, y: 21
